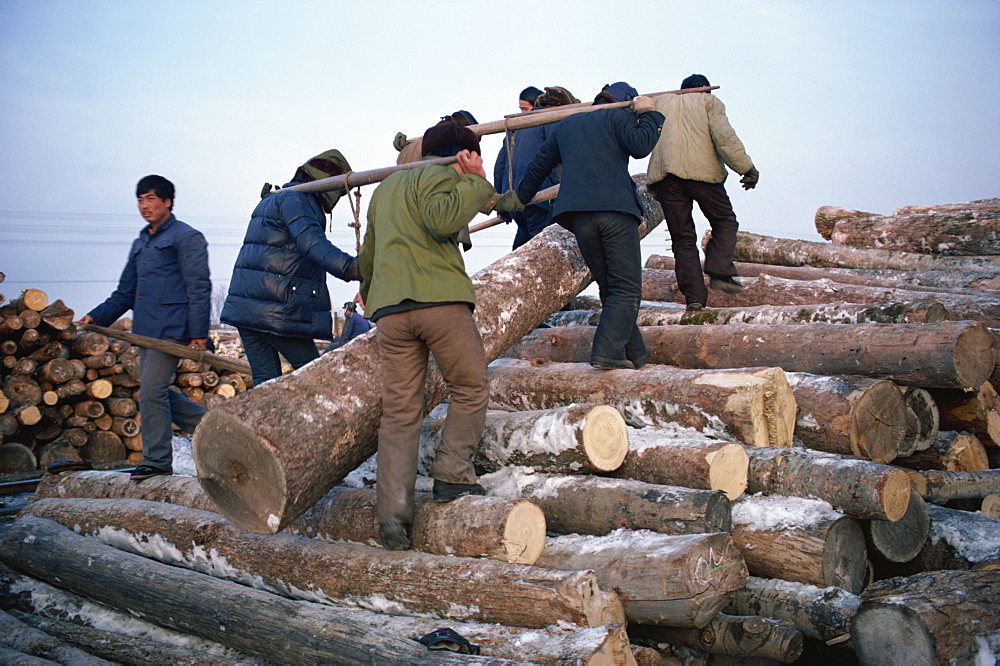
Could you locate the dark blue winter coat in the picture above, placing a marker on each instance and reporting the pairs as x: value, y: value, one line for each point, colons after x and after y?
x: 594, y: 149
x: 165, y: 283
x: 279, y: 280
x: 526, y: 143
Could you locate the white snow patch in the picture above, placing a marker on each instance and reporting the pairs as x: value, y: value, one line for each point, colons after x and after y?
x: 775, y: 512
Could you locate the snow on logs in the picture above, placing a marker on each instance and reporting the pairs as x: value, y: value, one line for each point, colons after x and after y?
x: 753, y: 405
x: 268, y: 455
x: 510, y: 530
x: 343, y: 573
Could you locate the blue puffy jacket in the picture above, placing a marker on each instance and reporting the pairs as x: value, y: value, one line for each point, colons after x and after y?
x: 279, y: 280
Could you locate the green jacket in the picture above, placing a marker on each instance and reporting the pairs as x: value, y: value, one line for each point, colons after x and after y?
x: 410, y: 249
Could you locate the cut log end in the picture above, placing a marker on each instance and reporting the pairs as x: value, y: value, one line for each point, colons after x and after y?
x: 902, y: 540
x: 876, y: 621
x: 728, y: 468
x: 876, y: 433
x: 244, y: 478
x: 605, y: 438
x: 524, y: 534
x: 895, y: 495
x: 845, y: 562
x: 991, y: 507
x: 975, y: 356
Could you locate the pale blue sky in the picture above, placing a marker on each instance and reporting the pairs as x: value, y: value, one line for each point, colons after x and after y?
x: 861, y: 104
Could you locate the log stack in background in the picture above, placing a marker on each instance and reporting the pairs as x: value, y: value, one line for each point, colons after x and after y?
x: 68, y: 395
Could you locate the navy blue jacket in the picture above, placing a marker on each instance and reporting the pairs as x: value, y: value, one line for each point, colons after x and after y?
x: 526, y: 143
x: 279, y: 280
x: 594, y: 149
x: 165, y: 283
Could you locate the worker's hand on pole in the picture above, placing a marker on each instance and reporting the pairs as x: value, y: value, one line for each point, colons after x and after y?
x: 400, y: 141
x: 509, y: 203
x: 750, y: 178
x: 642, y: 104
x: 470, y: 162
x: 199, y: 343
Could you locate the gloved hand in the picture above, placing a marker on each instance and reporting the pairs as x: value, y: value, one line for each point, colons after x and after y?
x: 399, y: 141
x: 750, y: 178
x: 464, y: 239
x: 642, y: 104
x: 509, y: 203
x: 352, y: 273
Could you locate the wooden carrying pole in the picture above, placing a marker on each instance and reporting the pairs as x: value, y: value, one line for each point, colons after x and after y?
x: 172, y: 348
x: 544, y: 195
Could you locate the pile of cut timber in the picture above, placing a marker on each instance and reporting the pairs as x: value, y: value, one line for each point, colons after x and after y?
x: 71, y: 395
x: 789, y: 480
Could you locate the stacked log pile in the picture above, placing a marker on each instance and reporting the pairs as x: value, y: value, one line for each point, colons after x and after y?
x: 71, y: 395
x: 764, y: 490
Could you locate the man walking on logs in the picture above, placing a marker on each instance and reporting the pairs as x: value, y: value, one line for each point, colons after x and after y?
x: 166, y: 285
x: 598, y: 203
x: 415, y: 285
x: 687, y: 165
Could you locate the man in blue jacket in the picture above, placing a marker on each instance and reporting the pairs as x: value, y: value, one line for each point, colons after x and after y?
x: 278, y: 299
x: 598, y: 203
x: 166, y: 285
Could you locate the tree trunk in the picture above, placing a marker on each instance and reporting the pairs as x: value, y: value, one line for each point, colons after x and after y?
x: 821, y: 613
x: 973, y: 229
x: 268, y: 455
x: 922, y: 421
x: 660, y: 285
x: 597, y: 505
x: 948, y: 354
x: 902, y: 540
x: 849, y: 415
x: 680, y: 581
x: 939, y: 487
x: 737, y: 636
x: 952, y: 452
x: 348, y: 574
x: 657, y: 456
x: 856, y: 487
x: 800, y: 540
x: 579, y: 439
x: 24, y: 638
x: 976, y: 412
x: 258, y: 623
x: 958, y: 540
x: 928, y: 618
x: 754, y: 405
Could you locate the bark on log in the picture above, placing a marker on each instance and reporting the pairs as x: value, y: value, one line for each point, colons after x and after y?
x: 849, y: 415
x: 580, y: 439
x: 56, y: 371
x: 24, y: 638
x: 659, y: 457
x: 786, y: 252
x: 952, y: 452
x: 103, y: 446
x: 957, y: 540
x: 597, y: 505
x: 348, y: 574
x: 900, y: 541
x: 257, y: 623
x: 15, y: 457
x: 801, y: 540
x: 923, y: 420
x: 679, y: 581
x: 928, y: 618
x: 856, y: 487
x: 971, y: 230
x: 976, y: 412
x: 57, y: 316
x: 21, y: 391
x: 508, y: 530
x: 821, y: 613
x: 250, y: 451
x: 753, y: 405
x: 737, y: 636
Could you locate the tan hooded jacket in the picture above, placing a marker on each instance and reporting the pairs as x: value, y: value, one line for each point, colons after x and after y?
x: 697, y: 141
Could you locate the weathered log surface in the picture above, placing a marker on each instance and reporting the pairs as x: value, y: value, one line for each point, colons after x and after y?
x: 258, y: 623
x: 661, y: 285
x: 956, y: 230
x: 597, y: 505
x: 940, y: 486
x: 680, y: 581
x: 29, y: 640
x: 928, y: 618
x: 951, y: 452
x: 957, y: 540
x: 947, y: 354
x: 250, y: 450
x: 351, y: 574
x: 821, y: 613
x: 857, y: 487
x: 657, y: 456
x: 856, y: 416
x: 580, y: 438
x: 800, y: 540
x: 736, y: 636
x: 923, y: 420
x: 976, y: 412
x: 754, y: 405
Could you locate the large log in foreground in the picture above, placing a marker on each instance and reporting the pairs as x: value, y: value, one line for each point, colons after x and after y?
x: 753, y: 405
x: 938, y: 617
x: 271, y: 453
x: 349, y: 574
x: 255, y: 622
x: 945, y: 355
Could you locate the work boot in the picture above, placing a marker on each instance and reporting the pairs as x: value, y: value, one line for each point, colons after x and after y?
x: 695, y: 306
x: 143, y: 472
x: 728, y: 284
x: 603, y: 363
x: 446, y: 492
x: 395, y: 535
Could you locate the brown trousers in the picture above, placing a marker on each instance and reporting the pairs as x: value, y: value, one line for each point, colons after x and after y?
x: 405, y: 340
